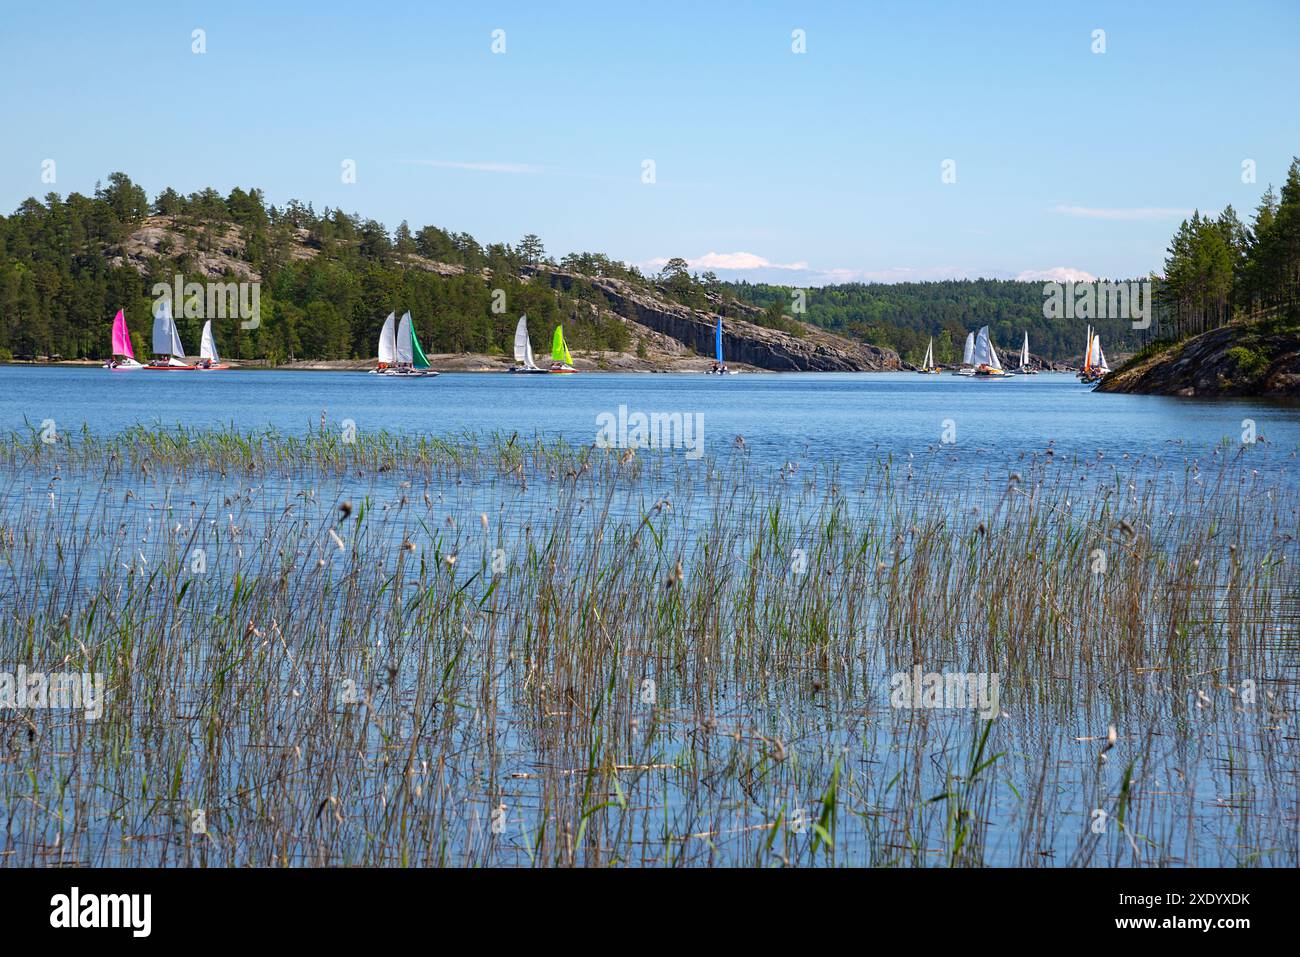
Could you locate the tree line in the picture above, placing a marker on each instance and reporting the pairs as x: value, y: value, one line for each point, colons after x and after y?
x: 327, y: 279
x: 904, y: 316
x: 1218, y: 268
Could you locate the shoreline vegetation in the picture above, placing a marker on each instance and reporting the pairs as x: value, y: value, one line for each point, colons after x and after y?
x: 326, y: 279
x: 1246, y: 357
x: 500, y: 651
x: 320, y: 284
x: 1231, y: 298
x: 468, y: 362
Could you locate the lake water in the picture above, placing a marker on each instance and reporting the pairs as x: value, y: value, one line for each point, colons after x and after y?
x: 694, y: 683
x: 806, y: 418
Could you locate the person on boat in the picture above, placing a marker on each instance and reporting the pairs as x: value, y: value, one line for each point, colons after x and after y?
x: 714, y: 369
x: 723, y: 370
x: 203, y: 364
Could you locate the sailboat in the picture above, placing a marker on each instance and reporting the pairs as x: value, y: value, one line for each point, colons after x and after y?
x: 987, y: 364
x: 123, y: 355
x: 967, y: 357
x: 524, y: 350
x: 719, y: 364
x: 1094, y: 360
x: 1085, y: 374
x: 408, y: 359
x: 927, y: 366
x: 387, y: 345
x: 1024, y: 357
x: 1099, y: 357
x: 561, y: 360
x: 208, y: 358
x: 169, y: 354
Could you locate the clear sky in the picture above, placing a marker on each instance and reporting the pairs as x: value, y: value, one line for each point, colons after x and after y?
x: 796, y: 167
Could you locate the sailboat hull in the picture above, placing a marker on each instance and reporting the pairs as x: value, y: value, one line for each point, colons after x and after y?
x: 124, y: 365
x: 566, y: 370
x: 523, y: 370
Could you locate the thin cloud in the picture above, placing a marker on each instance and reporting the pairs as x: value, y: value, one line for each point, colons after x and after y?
x: 738, y: 261
x: 758, y: 268
x: 1132, y: 212
x: 1056, y: 274
x: 477, y: 167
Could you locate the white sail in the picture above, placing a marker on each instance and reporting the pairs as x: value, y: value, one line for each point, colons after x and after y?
x: 403, y: 351
x: 980, y: 353
x: 387, y: 342
x: 208, y: 347
x: 178, y: 350
x: 929, y: 355
x: 985, y: 353
x: 523, y: 348
x: 968, y: 352
x: 1098, y: 357
x: 1024, y: 351
x: 165, y: 340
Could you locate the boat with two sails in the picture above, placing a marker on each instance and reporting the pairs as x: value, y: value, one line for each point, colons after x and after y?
x: 400, y: 353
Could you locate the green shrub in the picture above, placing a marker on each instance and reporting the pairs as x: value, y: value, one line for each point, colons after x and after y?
x: 1250, y: 363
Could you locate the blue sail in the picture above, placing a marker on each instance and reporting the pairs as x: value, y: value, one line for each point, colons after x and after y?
x: 717, y: 341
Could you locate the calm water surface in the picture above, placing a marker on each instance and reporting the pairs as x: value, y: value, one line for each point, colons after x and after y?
x: 811, y: 417
x: 1201, y: 766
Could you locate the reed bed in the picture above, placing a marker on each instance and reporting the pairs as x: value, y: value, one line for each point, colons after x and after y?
x: 496, y: 651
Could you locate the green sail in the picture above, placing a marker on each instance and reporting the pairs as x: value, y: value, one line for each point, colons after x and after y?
x: 418, y: 360
x: 559, y: 351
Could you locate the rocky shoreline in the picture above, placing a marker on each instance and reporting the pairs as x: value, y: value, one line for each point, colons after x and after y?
x: 1260, y: 358
x: 687, y: 334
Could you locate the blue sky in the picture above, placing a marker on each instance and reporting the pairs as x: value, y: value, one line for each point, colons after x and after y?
x: 814, y: 167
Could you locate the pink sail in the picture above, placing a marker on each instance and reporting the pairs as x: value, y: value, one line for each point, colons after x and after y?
x: 121, y: 339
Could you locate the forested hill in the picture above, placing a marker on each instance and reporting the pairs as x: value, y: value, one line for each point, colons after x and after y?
x: 1232, y: 301
x: 1220, y: 270
x: 903, y: 316
x: 328, y: 278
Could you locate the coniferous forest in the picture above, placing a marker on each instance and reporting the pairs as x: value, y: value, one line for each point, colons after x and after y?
x: 328, y: 278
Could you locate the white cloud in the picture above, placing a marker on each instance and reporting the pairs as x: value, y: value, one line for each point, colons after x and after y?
x: 1134, y: 212
x: 907, y: 274
x: 477, y: 167
x: 731, y: 261
x: 756, y: 268
x: 1056, y: 274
